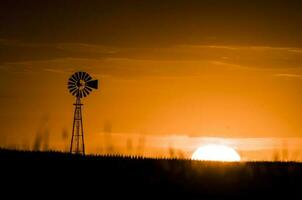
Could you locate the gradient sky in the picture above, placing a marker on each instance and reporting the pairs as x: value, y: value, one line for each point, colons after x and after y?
x: 193, y: 69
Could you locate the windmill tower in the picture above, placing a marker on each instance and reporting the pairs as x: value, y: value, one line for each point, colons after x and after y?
x: 80, y: 84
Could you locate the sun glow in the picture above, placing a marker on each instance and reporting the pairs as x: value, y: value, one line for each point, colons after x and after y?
x: 216, y: 153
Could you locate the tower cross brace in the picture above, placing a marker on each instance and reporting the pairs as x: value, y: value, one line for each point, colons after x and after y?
x: 77, y: 140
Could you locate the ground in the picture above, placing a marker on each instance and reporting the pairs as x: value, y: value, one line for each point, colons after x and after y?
x: 114, y: 177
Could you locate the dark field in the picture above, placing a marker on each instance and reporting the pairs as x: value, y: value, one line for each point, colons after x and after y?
x: 58, y: 175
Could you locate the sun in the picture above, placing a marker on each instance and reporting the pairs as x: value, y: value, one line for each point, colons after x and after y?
x: 214, y: 152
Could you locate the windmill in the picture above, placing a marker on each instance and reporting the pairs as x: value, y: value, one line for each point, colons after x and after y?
x: 80, y: 84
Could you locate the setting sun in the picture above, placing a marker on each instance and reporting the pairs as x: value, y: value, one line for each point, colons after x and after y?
x: 216, y: 153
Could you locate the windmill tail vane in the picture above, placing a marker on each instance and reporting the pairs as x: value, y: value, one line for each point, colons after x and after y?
x: 80, y: 85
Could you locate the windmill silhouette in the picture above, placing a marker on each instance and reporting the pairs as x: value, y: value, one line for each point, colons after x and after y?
x: 80, y: 84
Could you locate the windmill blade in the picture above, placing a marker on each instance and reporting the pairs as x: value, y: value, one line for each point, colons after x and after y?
x: 74, y: 77
x: 92, y: 84
x: 81, y: 75
x: 71, y: 86
x: 71, y: 79
x: 74, y: 93
x: 72, y: 83
x: 84, y: 92
x: 78, y: 76
x: 72, y: 90
x: 87, y: 90
x: 86, y: 77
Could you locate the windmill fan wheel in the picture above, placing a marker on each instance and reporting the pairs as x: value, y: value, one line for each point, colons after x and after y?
x: 80, y: 84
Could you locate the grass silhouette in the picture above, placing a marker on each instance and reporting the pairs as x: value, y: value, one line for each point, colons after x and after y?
x: 146, y: 178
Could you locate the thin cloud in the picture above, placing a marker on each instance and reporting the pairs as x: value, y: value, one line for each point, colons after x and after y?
x: 295, y: 76
x: 177, y: 60
x: 56, y: 71
x: 299, y: 51
x: 208, y: 46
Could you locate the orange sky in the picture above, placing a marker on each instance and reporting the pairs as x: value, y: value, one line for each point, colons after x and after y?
x: 166, y: 70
